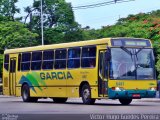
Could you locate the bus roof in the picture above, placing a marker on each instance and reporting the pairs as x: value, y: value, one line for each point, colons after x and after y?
x: 66, y: 45
x: 59, y: 46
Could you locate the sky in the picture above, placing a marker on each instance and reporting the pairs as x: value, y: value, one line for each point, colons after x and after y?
x: 105, y: 15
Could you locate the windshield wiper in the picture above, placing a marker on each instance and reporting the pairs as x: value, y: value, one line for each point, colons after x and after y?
x: 127, y: 51
x: 136, y: 53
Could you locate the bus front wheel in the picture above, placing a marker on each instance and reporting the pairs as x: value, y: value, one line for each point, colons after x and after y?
x: 125, y: 101
x: 86, y: 95
x: 25, y: 92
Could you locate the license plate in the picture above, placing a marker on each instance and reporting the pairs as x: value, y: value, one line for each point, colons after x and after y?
x: 136, y: 95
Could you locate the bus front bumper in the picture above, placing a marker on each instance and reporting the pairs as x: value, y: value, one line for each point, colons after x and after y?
x: 134, y: 94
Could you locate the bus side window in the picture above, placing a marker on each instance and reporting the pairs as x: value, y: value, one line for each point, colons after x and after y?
x: 25, y: 63
x: 36, y: 60
x: 6, y: 61
x: 89, y: 57
x: 60, y: 59
x: 48, y: 59
x: 74, y: 58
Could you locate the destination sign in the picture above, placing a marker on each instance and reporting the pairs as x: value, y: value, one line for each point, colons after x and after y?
x: 131, y: 42
x: 135, y: 43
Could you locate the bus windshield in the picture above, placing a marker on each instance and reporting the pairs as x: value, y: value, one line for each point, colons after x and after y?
x: 131, y: 63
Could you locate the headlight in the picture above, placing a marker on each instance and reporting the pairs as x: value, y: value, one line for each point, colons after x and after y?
x: 152, y: 89
x: 117, y: 88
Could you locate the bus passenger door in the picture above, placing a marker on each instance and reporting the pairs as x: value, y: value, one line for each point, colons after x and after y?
x: 12, y: 76
x: 103, y: 75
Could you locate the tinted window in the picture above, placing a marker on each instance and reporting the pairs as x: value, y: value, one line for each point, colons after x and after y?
x: 74, y: 58
x: 48, y: 59
x: 48, y: 55
x: 25, y: 63
x: 60, y: 54
x: 60, y: 59
x: 89, y: 51
x: 19, y: 62
x: 26, y: 57
x: 6, y: 61
x: 36, y: 60
x: 12, y: 66
x: 89, y: 56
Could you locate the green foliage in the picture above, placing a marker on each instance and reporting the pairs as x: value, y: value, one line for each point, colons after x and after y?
x: 15, y: 34
x: 158, y: 65
x: 53, y: 36
x: 1, y: 64
x: 9, y: 9
x: 90, y: 34
x: 58, y: 19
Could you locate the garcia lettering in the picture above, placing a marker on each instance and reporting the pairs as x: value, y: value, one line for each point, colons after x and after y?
x: 55, y: 75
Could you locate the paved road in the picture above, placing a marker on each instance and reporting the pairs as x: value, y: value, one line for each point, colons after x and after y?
x: 74, y: 106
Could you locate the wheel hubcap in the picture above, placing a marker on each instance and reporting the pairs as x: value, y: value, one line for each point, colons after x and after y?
x: 25, y: 94
x: 86, y: 94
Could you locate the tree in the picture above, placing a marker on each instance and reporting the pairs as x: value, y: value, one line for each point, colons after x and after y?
x: 55, y: 12
x: 58, y: 18
x: 15, y: 34
x: 1, y: 64
x: 9, y: 9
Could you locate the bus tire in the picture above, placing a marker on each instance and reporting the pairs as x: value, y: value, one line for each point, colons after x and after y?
x: 25, y: 92
x: 125, y: 101
x: 86, y: 95
x: 60, y: 100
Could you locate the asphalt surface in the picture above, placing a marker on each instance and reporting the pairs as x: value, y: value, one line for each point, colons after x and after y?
x: 14, y: 105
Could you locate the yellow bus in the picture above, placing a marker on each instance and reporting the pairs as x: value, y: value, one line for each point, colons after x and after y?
x: 108, y: 68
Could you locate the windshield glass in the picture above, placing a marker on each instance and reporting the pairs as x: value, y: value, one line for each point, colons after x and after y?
x: 130, y: 63
x: 145, y: 64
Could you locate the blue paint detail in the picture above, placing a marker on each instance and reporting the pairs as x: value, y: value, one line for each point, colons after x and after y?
x: 24, y: 79
x: 128, y: 93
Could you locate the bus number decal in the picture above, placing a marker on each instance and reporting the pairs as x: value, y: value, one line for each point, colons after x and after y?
x: 119, y: 83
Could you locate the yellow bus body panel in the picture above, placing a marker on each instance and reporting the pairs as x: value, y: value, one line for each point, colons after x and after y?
x: 133, y: 84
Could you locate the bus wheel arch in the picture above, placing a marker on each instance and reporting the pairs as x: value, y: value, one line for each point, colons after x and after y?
x: 25, y: 93
x: 85, y: 93
x: 81, y: 85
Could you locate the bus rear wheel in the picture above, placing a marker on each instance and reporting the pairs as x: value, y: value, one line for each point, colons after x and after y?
x: 125, y: 101
x: 60, y: 100
x: 25, y: 92
x: 86, y: 95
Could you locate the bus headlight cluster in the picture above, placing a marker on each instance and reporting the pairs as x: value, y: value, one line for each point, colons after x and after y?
x: 152, y: 89
x: 117, y: 88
